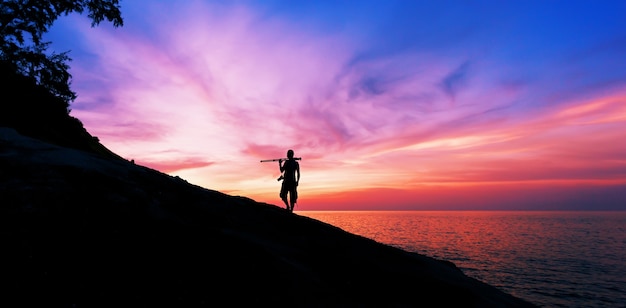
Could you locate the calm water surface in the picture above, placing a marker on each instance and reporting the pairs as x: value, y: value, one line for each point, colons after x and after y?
x: 553, y: 259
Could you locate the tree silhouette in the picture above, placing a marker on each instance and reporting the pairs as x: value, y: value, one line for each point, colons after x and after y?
x: 22, y: 25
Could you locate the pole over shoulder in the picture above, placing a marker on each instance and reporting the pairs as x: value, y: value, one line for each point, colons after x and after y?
x: 277, y: 159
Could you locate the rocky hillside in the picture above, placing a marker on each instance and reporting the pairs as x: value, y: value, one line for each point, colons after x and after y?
x: 81, y: 230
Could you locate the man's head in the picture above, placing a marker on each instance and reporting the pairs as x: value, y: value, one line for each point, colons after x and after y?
x: 290, y: 154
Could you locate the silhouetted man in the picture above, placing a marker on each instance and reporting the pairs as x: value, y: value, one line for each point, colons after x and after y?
x: 291, y: 177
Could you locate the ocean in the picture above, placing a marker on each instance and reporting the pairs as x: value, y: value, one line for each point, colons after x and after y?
x: 552, y: 259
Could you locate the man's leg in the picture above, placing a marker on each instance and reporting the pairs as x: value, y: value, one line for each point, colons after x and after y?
x: 293, y: 196
x: 286, y: 203
x: 283, y: 195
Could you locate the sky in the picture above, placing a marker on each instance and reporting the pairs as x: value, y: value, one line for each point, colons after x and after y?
x: 392, y: 105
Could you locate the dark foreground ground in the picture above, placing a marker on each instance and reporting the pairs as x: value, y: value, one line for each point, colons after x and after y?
x: 79, y: 230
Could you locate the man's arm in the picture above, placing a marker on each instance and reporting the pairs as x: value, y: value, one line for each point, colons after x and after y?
x: 280, y: 166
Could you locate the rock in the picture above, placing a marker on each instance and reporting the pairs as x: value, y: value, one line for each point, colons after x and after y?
x: 81, y: 230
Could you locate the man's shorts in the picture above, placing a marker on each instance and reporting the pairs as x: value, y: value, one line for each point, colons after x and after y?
x: 291, y: 189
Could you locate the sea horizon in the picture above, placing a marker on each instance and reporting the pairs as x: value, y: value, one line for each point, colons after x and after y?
x: 464, y: 210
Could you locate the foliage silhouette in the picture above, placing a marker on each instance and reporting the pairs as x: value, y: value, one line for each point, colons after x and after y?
x: 22, y: 25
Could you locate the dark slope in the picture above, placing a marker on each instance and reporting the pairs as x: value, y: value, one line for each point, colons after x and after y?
x: 81, y: 230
